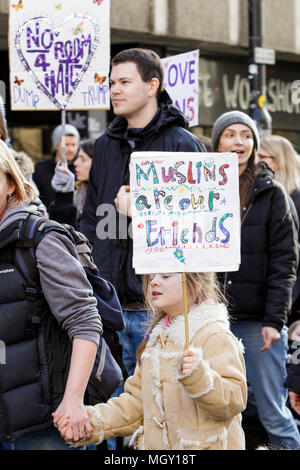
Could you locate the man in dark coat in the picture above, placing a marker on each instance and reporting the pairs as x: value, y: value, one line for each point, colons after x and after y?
x: 44, y: 169
x: 146, y: 120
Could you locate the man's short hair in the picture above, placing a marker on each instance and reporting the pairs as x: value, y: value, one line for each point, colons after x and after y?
x: 148, y: 64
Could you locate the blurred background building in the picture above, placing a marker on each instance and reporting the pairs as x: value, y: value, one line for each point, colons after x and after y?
x: 219, y: 29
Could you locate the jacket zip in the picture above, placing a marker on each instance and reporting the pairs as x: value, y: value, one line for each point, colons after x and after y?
x: 142, y: 149
x: 245, y: 214
x: 242, y: 221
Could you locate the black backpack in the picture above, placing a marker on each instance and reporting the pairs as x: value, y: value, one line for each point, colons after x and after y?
x: 109, y: 371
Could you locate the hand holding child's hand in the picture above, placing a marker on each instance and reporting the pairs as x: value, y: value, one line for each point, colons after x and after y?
x: 188, y: 361
x: 72, y: 423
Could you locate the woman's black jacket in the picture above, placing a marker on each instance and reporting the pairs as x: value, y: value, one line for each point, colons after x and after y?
x: 261, y: 290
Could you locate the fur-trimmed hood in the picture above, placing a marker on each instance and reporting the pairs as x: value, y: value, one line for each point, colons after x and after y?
x: 198, y: 317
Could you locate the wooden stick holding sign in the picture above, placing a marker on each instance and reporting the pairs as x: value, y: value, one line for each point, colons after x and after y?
x: 186, y: 319
x: 63, y: 138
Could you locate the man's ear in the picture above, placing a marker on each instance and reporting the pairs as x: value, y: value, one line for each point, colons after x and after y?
x: 154, y: 84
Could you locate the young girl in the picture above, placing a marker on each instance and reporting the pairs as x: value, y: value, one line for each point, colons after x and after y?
x: 179, y: 399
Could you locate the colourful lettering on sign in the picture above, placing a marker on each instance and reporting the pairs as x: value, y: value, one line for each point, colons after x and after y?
x: 185, y: 211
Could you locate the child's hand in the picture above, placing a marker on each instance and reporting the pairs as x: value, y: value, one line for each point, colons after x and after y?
x: 189, y: 359
x: 61, y: 422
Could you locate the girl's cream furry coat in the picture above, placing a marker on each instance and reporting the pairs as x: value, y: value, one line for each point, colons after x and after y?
x: 163, y: 409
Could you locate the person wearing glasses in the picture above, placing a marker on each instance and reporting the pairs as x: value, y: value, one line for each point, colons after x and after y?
x: 279, y: 153
x: 281, y: 156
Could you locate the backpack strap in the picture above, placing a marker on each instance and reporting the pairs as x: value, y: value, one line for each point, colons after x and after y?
x: 25, y: 261
x: 58, y: 360
x: 32, y: 231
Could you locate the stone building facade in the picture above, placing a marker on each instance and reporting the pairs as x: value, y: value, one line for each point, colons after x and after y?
x: 219, y: 29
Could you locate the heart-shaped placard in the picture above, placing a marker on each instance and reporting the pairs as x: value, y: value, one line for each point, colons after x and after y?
x: 58, y: 57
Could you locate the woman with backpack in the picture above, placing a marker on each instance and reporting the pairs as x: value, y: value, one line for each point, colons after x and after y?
x: 32, y: 391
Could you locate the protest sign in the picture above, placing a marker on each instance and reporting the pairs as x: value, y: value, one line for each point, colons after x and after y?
x: 59, y: 54
x: 181, y: 74
x: 185, y: 212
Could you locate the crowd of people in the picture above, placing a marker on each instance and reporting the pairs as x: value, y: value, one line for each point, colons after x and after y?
x: 244, y: 325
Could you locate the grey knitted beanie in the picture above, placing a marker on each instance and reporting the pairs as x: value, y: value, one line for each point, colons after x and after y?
x: 69, y: 130
x: 233, y: 117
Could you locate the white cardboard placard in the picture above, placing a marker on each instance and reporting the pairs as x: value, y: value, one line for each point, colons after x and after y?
x: 181, y: 80
x: 59, y: 53
x: 185, y: 212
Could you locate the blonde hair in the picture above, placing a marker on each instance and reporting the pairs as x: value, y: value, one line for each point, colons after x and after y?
x: 201, y: 286
x: 23, y: 191
x: 289, y: 171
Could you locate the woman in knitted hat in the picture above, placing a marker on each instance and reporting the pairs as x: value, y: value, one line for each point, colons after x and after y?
x: 260, y: 292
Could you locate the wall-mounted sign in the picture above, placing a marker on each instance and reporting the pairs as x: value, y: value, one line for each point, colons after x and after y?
x: 264, y: 56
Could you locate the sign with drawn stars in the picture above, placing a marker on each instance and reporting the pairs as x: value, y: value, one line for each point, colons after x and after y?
x: 185, y: 212
x: 59, y: 54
